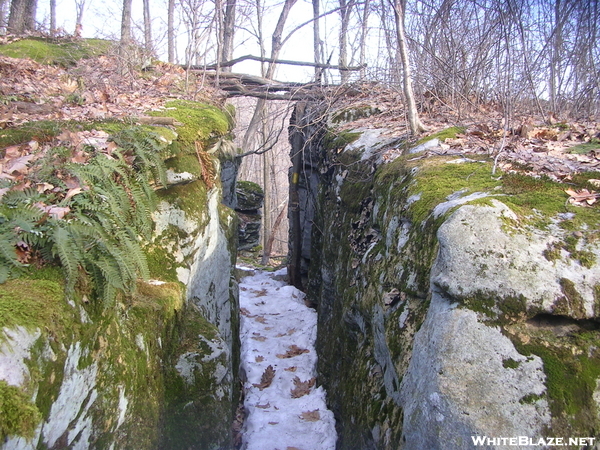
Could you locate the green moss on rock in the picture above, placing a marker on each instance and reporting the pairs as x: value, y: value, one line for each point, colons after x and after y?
x: 189, y: 198
x: 448, y: 133
x: 354, y: 113
x: 18, y: 415
x: 62, y: 52
x: 200, y: 121
x: 335, y: 140
x: 33, y: 304
x: 572, y: 367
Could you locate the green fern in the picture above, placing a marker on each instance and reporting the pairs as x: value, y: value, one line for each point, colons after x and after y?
x: 101, y: 234
x: 68, y: 253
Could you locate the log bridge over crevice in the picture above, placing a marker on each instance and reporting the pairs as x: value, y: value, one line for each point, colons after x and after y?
x: 244, y: 85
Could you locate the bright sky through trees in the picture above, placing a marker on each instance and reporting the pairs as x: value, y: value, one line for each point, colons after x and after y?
x: 103, y: 19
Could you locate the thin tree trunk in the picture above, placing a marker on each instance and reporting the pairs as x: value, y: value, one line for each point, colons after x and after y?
x: 275, y: 50
x: 79, y: 8
x: 268, y: 247
x: 126, y: 23
x: 389, y: 43
x: 414, y: 122
x: 171, y: 31
x: 53, y: 18
x: 219, y: 33
x: 228, y: 33
x: 3, y: 15
x: 363, y: 38
x: 147, y: 27
x: 317, y: 42
x: 345, y: 10
x: 266, y: 225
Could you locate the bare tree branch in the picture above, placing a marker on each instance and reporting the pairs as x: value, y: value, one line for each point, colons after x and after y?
x: 273, y: 61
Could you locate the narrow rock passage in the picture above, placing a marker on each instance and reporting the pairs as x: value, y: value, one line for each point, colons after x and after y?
x: 284, y: 408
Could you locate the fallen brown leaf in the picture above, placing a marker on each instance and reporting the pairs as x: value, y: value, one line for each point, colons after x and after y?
x: 58, y: 212
x: 260, y: 293
x: 266, y: 379
x: 43, y: 187
x: 72, y: 192
x: 18, y: 165
x: 294, y: 350
x: 311, y: 416
x: 582, y: 197
x: 594, y: 182
x: 245, y: 312
x: 302, y: 387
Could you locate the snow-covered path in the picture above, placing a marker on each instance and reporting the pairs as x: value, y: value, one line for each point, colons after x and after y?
x: 284, y: 409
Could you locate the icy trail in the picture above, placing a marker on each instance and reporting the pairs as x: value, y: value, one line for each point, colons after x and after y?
x: 284, y: 409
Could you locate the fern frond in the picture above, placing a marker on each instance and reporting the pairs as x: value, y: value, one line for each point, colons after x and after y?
x: 7, y: 249
x: 64, y: 248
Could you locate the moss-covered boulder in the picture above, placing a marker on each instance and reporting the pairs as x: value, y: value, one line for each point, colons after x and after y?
x: 452, y: 303
x: 250, y: 196
x: 148, y: 365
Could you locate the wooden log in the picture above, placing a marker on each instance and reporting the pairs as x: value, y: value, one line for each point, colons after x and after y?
x: 276, y: 61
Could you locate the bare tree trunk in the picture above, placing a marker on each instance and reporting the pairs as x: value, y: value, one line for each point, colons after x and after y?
x: 22, y: 16
x: 79, y: 8
x: 317, y: 41
x: 3, y: 15
x: 259, y: 111
x: 171, y: 31
x: 228, y: 33
x: 345, y: 10
x: 268, y: 246
x: 126, y: 23
x: 219, y: 32
x: 363, y: 37
x: 414, y: 122
x: 53, y: 18
x: 266, y: 225
x: 148, y: 45
x: 275, y: 50
x: 389, y: 42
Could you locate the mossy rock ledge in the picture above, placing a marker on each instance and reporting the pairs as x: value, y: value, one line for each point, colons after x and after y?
x: 157, y: 368
x: 451, y: 303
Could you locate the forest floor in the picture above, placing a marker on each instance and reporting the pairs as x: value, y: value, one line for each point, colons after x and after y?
x: 284, y: 409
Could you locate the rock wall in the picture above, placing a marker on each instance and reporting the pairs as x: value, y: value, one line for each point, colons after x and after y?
x: 250, y: 197
x: 158, y: 369
x: 451, y: 304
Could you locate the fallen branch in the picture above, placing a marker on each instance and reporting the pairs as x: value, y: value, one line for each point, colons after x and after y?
x: 275, y: 61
